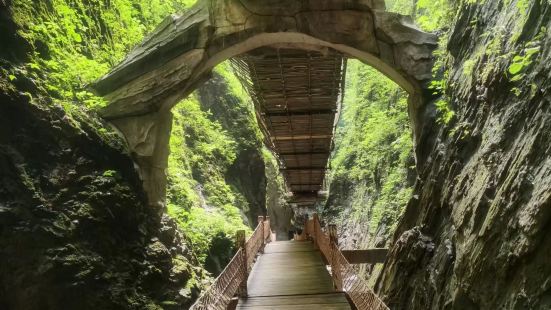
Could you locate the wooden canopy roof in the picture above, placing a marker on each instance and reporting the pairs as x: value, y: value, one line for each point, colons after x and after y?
x: 297, y: 97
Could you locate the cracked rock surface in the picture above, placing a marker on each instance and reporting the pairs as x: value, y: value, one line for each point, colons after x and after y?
x: 477, y: 234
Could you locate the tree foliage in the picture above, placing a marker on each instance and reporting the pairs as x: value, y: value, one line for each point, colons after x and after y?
x: 430, y: 15
x: 74, y: 42
x: 77, y: 41
x: 198, y: 196
x: 374, y: 147
x: 206, y: 205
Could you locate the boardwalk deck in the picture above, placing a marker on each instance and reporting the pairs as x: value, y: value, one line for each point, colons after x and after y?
x: 291, y: 275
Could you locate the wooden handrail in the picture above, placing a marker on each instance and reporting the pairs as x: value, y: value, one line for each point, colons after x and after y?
x: 233, y: 279
x: 344, y: 276
x: 367, y: 256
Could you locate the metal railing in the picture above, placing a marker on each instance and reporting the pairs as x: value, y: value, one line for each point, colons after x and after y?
x: 344, y: 276
x: 233, y: 279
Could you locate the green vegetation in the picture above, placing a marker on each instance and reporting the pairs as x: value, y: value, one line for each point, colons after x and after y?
x: 373, y: 151
x: 234, y: 99
x: 71, y: 44
x: 205, y: 204
x: 372, y: 165
x: 521, y: 15
x: 74, y: 42
x: 430, y: 15
x: 521, y: 62
x: 373, y: 158
x: 434, y: 16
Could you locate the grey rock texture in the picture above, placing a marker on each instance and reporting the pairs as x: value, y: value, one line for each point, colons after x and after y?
x: 280, y: 212
x: 75, y: 229
x: 477, y: 233
x: 247, y: 173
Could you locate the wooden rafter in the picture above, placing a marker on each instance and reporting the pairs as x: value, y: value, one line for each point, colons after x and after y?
x: 296, y: 95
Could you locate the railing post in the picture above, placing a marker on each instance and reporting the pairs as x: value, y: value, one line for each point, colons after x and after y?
x: 315, y: 232
x: 269, y: 228
x: 333, y: 234
x: 261, y: 224
x: 240, y: 244
x: 335, y: 261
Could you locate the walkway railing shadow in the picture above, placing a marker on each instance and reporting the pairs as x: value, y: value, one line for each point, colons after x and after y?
x: 233, y: 279
x: 344, y: 276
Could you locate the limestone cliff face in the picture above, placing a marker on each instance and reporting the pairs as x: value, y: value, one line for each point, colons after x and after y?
x: 75, y: 228
x: 247, y: 174
x: 254, y: 172
x: 280, y: 212
x: 477, y: 233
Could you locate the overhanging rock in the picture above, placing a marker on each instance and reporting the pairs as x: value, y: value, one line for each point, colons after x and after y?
x: 182, y: 51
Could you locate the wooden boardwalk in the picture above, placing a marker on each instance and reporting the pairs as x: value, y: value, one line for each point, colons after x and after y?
x: 291, y: 275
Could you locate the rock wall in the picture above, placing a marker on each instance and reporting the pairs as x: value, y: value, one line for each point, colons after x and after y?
x: 477, y: 232
x: 247, y: 174
x: 280, y: 212
x: 255, y: 172
x: 75, y: 229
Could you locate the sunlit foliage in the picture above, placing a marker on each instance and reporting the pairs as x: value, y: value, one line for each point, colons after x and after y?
x: 200, y: 197
x: 77, y: 41
x: 374, y: 145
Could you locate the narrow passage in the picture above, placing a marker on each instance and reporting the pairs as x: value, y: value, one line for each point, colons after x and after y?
x: 291, y: 275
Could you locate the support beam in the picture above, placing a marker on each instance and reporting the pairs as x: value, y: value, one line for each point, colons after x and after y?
x: 303, y: 169
x: 306, y: 193
x: 303, y: 153
x: 369, y: 256
x: 304, y: 204
x: 327, y: 112
x: 300, y: 137
x: 336, y: 267
x: 304, y: 197
x: 261, y: 223
x: 316, y: 222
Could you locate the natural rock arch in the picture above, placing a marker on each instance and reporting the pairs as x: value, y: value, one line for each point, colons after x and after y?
x: 182, y: 51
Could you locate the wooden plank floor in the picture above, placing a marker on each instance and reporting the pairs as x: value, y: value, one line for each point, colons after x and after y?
x: 291, y: 275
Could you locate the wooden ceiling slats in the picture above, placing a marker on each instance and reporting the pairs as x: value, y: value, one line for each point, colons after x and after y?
x: 296, y: 95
